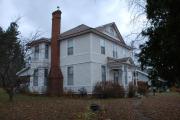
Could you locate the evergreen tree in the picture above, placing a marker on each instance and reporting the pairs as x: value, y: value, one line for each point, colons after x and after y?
x: 162, y: 50
x: 11, y: 57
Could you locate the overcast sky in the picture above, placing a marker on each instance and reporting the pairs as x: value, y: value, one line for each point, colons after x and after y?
x: 36, y: 14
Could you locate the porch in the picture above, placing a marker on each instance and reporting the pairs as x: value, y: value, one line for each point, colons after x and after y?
x: 121, y: 70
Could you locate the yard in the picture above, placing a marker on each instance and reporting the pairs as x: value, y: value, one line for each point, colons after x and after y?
x: 164, y: 106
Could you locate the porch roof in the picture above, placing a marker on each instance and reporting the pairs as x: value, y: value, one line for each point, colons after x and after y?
x: 117, y: 63
x: 24, y: 72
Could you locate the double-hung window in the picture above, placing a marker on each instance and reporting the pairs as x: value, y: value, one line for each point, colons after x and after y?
x: 35, y: 77
x: 46, y: 51
x: 70, y: 47
x: 36, y: 52
x: 102, y: 43
x: 126, y: 75
x: 45, y: 76
x: 115, y: 54
x: 70, y: 74
x: 103, y: 72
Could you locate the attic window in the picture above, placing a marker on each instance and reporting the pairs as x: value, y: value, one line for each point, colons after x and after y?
x: 111, y: 31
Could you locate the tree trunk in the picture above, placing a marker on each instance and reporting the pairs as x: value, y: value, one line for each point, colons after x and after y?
x: 10, y: 92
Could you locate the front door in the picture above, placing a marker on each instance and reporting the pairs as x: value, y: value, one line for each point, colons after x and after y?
x: 116, y: 76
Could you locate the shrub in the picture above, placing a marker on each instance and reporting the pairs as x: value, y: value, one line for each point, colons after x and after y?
x: 108, y: 89
x: 131, y: 90
x: 142, y: 87
x: 22, y: 88
x: 82, y: 92
x: 175, y: 89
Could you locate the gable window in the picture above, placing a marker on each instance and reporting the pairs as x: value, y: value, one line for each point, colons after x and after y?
x: 70, y: 47
x: 102, y: 43
x: 103, y: 72
x: 46, y: 51
x: 115, y: 54
x: 45, y: 76
x: 70, y: 74
x: 111, y: 31
x: 35, y: 77
x: 36, y: 52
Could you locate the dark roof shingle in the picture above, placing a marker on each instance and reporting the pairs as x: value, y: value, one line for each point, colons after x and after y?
x: 77, y: 29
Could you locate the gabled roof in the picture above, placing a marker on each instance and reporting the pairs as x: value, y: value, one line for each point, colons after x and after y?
x: 101, y: 28
x: 24, y: 70
x: 77, y: 29
x: 125, y: 60
x: 84, y: 29
x: 38, y: 41
x: 141, y: 72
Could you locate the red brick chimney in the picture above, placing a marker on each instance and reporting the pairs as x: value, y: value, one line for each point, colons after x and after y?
x: 55, y: 87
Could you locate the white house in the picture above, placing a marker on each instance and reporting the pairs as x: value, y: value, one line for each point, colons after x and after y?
x: 87, y: 55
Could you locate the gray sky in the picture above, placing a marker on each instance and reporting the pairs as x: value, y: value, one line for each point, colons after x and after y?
x: 36, y: 14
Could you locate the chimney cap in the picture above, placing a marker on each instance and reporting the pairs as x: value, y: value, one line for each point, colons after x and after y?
x: 57, y: 12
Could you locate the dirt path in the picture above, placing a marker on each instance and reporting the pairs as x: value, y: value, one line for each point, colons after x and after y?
x: 138, y: 113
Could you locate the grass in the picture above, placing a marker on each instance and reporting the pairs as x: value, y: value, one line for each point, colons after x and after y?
x: 166, y: 106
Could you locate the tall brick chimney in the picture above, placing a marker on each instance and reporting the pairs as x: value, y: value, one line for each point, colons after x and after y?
x: 55, y: 85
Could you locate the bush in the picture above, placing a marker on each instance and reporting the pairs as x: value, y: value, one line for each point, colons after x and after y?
x: 175, y: 89
x: 108, y: 89
x: 131, y: 90
x: 82, y: 92
x: 142, y: 87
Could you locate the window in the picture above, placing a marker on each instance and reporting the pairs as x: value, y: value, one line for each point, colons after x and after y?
x: 126, y: 75
x: 36, y: 52
x: 70, y: 47
x: 102, y: 42
x: 45, y: 76
x: 70, y: 75
x: 46, y: 51
x: 35, y: 76
x: 103, y: 71
x: 112, y: 31
x: 28, y: 63
x: 115, y: 54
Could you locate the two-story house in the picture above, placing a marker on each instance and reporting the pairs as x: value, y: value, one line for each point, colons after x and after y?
x: 86, y: 56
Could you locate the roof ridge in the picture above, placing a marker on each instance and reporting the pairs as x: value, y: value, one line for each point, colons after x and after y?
x: 105, y: 25
x: 81, y: 25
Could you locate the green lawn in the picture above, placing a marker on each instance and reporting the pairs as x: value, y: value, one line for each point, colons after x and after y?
x: 166, y: 106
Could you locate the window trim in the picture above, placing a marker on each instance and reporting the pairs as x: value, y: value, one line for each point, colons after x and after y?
x: 69, y: 81
x: 46, y: 54
x: 35, y: 77
x: 103, y: 72
x: 126, y: 75
x: 36, y: 52
x: 70, y: 47
x: 115, y: 51
x: 45, y: 77
x: 102, y: 46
